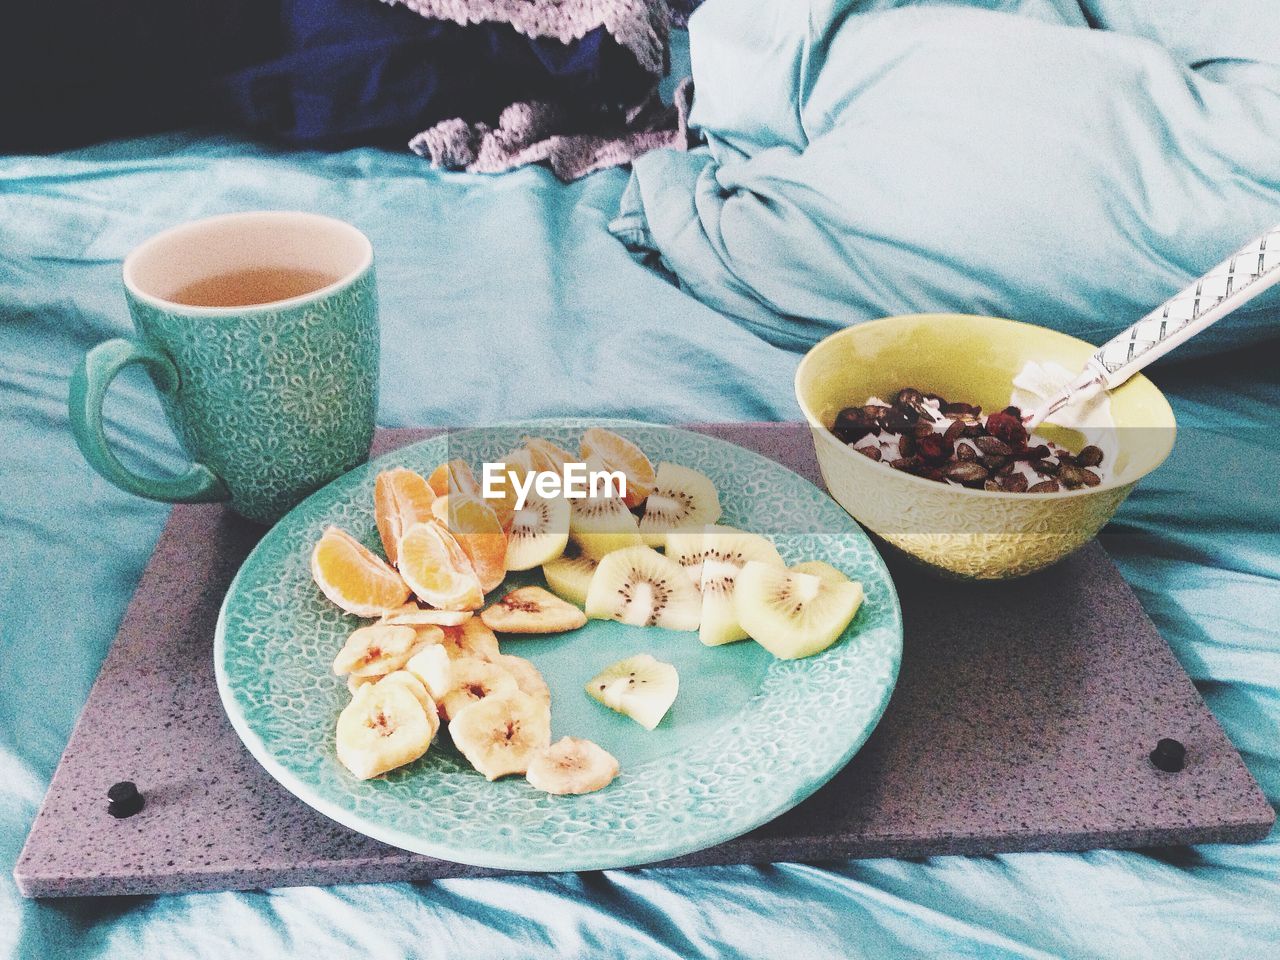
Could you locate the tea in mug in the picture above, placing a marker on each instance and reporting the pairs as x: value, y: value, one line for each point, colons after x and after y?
x: 251, y: 287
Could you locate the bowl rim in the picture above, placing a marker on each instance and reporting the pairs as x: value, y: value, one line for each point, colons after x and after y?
x: 815, y: 423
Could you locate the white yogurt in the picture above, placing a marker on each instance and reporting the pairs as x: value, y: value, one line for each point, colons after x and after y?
x: 1089, y: 415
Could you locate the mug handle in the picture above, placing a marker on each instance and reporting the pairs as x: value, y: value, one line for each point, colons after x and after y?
x: 89, y: 386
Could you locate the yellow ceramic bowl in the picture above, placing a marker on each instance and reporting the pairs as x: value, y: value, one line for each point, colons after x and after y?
x: 969, y: 533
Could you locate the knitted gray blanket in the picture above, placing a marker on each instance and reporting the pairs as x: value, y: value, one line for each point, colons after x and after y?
x: 532, y: 131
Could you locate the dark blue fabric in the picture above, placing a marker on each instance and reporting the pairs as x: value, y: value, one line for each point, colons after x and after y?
x: 76, y: 71
x: 360, y: 71
x: 306, y: 72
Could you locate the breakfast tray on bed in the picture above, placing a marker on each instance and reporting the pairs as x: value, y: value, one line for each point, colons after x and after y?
x: 1022, y: 720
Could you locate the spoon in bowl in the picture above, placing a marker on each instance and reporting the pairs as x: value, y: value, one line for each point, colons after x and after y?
x: 1230, y: 285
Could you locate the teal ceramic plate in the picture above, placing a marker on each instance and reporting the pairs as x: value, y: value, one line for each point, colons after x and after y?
x: 748, y: 737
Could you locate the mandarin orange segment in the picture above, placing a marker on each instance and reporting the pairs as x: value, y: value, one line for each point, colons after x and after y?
x: 439, y: 480
x: 440, y: 509
x: 547, y: 455
x: 619, y: 453
x: 354, y: 577
x: 437, y: 569
x: 452, y: 477
x: 401, y: 498
x: 478, y: 531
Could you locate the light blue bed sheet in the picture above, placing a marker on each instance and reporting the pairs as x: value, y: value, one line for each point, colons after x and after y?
x: 870, y: 158
x: 506, y: 298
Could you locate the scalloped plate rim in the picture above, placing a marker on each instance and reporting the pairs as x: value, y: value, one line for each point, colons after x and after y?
x: 619, y: 855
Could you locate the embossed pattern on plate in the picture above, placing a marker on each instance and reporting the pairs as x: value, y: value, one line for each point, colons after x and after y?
x: 788, y: 726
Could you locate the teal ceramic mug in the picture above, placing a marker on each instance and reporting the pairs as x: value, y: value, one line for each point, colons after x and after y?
x: 260, y: 333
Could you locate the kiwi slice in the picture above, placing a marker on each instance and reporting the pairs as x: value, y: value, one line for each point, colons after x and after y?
x: 686, y: 547
x: 601, y: 525
x: 640, y: 687
x: 681, y: 497
x: 539, y: 532
x: 822, y: 570
x: 640, y: 586
x: 569, y: 577
x: 724, y: 553
x: 793, y: 614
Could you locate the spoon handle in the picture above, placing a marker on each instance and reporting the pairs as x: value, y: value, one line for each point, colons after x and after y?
x: 1227, y: 287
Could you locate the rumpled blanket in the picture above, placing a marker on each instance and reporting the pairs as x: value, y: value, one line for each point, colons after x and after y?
x: 491, y: 84
x: 1067, y: 163
x: 537, y: 130
x: 361, y: 72
x: 575, y: 137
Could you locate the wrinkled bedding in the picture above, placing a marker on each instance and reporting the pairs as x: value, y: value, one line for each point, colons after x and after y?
x: 1066, y: 162
x: 508, y: 297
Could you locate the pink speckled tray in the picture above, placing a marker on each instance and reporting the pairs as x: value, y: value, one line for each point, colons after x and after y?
x: 1022, y: 720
